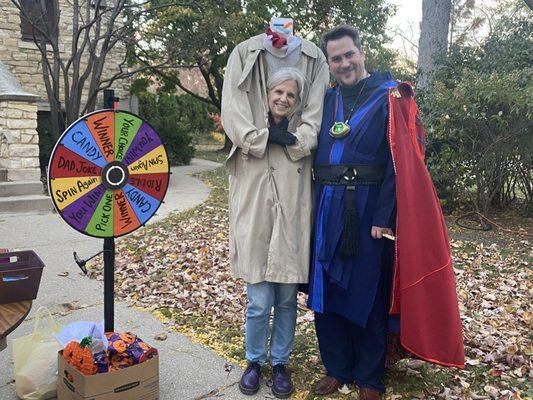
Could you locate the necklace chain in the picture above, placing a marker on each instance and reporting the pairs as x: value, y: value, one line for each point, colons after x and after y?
x: 355, y: 103
x: 341, y: 129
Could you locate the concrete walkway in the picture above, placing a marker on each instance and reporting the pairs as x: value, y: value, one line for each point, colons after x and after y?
x: 187, y: 370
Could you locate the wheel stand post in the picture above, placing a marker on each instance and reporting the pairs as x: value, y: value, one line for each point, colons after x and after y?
x: 109, y: 252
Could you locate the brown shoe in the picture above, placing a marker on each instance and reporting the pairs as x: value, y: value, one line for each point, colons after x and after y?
x: 326, y: 385
x: 369, y: 394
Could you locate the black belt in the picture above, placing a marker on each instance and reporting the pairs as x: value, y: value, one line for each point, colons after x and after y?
x: 348, y: 175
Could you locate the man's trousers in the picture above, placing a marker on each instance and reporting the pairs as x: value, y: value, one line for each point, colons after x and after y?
x: 353, y: 353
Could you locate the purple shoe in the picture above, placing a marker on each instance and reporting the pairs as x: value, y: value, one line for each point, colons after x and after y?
x: 249, y: 383
x: 281, y: 381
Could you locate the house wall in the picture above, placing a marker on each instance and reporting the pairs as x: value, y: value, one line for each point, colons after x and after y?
x: 19, y: 142
x: 23, y: 92
x: 23, y: 59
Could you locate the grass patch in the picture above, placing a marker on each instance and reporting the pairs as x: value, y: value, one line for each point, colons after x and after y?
x: 208, y: 137
x: 216, y: 156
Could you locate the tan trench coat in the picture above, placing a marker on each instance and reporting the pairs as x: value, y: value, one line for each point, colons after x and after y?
x: 270, y: 186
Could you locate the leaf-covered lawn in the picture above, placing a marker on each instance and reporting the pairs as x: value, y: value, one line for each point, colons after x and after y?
x: 179, y: 270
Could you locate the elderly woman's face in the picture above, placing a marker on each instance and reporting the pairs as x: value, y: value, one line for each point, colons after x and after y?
x: 282, y: 98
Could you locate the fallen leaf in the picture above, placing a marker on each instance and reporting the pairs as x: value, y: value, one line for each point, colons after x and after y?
x: 345, y: 389
x: 73, y: 305
x: 228, y: 367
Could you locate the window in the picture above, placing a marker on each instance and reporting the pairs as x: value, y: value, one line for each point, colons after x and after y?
x: 42, y: 14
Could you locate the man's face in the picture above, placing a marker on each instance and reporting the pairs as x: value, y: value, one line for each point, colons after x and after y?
x: 346, y: 61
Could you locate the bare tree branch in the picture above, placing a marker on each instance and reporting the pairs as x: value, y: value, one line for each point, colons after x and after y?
x: 97, y: 31
x: 210, y: 89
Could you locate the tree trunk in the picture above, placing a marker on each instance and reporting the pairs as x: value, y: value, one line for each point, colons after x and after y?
x: 433, y: 38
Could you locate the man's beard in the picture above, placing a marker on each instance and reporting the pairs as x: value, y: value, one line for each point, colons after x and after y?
x: 359, y: 76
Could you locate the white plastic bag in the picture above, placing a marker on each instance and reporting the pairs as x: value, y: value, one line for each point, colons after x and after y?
x: 35, y: 360
x: 81, y: 329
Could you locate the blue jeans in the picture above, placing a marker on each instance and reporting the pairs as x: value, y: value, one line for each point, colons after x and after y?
x: 261, y: 298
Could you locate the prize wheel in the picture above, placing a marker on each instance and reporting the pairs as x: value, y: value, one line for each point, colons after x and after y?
x: 108, y: 173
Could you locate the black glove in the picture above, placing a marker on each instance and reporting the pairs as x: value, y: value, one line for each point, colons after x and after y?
x: 279, y: 135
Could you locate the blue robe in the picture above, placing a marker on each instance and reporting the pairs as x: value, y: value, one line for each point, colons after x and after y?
x: 347, y: 286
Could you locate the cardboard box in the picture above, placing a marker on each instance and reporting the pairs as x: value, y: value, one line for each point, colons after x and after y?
x: 138, y: 382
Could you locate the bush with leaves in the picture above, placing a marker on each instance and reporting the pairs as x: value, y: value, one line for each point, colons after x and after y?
x: 481, y: 150
x: 46, y: 140
x: 177, y: 119
x: 479, y: 119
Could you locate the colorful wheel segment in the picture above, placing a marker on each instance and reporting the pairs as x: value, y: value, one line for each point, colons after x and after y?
x: 108, y: 173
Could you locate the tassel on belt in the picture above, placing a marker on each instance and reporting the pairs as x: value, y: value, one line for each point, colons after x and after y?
x: 350, y: 176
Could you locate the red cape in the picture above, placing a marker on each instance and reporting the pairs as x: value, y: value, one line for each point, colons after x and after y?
x: 424, y: 282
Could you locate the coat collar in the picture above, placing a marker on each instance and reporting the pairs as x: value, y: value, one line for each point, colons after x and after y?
x: 308, y: 48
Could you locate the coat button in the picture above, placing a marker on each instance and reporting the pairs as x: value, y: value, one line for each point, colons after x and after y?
x: 299, y: 170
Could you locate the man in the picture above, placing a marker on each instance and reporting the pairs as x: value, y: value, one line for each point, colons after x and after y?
x: 370, y: 180
x: 270, y: 185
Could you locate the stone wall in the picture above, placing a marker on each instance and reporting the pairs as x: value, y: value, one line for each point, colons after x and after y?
x: 23, y: 59
x: 19, y: 141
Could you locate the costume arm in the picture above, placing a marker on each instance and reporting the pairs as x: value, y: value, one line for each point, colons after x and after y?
x: 307, y: 132
x: 386, y: 202
x: 236, y: 114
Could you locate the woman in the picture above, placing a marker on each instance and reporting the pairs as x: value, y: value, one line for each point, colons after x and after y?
x: 270, y: 219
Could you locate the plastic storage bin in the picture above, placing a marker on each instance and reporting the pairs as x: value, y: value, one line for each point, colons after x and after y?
x: 20, y: 276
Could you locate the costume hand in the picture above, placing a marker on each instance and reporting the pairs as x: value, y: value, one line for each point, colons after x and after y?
x: 377, y: 232
x: 281, y: 136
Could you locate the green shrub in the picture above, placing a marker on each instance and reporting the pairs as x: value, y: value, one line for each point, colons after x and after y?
x: 46, y: 139
x: 479, y: 120
x: 480, y: 149
x: 177, y: 119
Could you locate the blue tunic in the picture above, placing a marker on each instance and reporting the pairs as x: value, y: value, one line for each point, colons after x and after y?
x: 347, y: 285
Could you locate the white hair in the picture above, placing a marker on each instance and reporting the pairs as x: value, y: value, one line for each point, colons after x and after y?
x: 287, y: 74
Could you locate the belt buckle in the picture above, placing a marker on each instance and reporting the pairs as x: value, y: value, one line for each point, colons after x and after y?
x: 351, y: 176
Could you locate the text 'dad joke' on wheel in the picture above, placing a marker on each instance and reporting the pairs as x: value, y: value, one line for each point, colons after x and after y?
x: 108, y: 173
